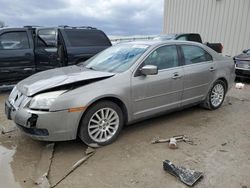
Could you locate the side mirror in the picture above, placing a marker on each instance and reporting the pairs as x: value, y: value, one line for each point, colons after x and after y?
x: 149, y: 70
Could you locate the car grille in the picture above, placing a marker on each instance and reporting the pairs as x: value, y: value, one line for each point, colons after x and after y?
x: 243, y: 64
x: 17, y: 99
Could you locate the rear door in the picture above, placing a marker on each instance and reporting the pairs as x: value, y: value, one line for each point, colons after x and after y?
x: 81, y: 44
x: 16, y: 56
x: 199, y: 70
x: 157, y: 93
x: 46, y: 49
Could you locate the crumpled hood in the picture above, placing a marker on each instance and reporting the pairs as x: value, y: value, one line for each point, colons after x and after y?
x: 58, y: 77
x: 243, y: 57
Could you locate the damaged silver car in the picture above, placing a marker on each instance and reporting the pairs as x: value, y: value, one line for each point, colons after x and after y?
x: 121, y: 85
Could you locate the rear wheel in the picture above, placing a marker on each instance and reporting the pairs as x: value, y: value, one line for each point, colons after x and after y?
x: 215, y: 96
x: 101, y: 123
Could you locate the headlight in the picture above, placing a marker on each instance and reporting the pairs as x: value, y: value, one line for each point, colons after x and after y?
x: 13, y: 93
x: 44, y: 101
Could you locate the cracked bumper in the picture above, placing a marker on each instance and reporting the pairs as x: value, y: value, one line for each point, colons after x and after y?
x: 45, y: 125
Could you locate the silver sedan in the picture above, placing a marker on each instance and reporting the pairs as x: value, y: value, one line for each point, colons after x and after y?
x: 121, y: 85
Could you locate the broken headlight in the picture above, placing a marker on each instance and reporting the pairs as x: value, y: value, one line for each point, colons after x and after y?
x: 44, y: 101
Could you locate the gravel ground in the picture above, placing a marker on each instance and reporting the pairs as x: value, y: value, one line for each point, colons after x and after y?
x: 221, y: 151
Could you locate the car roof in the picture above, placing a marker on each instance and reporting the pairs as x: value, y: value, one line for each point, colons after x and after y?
x: 157, y: 43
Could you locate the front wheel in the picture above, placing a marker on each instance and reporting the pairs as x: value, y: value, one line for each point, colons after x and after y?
x: 101, y: 123
x: 215, y: 96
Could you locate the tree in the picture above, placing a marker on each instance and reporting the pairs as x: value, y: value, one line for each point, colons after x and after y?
x: 1, y: 24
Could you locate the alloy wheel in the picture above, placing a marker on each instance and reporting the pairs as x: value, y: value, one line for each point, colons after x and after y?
x: 217, y: 95
x: 103, y: 125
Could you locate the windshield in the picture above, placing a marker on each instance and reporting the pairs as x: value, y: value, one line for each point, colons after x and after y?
x: 116, y: 59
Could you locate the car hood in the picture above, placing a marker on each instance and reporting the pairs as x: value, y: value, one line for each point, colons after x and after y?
x: 59, y: 77
x: 243, y: 57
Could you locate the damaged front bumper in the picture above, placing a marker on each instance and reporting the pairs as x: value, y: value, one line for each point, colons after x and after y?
x: 45, y: 125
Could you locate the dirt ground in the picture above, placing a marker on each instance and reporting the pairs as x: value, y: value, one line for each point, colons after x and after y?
x: 222, y: 151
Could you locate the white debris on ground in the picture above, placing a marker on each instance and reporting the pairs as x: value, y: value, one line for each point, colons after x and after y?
x: 239, y: 86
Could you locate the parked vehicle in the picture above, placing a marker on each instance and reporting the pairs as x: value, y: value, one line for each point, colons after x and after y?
x: 121, y: 85
x: 194, y: 37
x: 25, y: 51
x: 242, y: 64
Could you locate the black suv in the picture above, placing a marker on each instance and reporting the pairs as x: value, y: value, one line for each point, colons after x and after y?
x: 25, y: 51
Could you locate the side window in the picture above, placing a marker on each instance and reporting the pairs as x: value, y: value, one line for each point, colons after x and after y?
x: 195, y: 54
x: 164, y: 57
x: 14, y: 41
x: 47, y: 38
x: 85, y: 37
x: 184, y: 37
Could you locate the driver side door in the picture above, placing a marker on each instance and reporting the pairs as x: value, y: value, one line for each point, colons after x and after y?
x: 153, y: 94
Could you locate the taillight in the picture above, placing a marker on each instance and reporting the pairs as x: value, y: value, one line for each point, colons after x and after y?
x: 221, y: 47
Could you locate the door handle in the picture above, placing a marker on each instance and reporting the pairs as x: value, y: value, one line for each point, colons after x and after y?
x: 212, y: 69
x: 176, y: 76
x: 27, y: 69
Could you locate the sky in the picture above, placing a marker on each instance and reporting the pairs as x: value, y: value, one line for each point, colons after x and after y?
x: 114, y: 17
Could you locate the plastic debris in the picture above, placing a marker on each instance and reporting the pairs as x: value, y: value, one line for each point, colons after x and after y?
x: 172, y: 143
x: 10, y: 129
x: 178, y: 138
x: 187, y: 176
x: 239, y: 86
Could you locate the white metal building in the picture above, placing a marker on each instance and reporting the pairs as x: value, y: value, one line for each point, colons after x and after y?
x: 225, y: 21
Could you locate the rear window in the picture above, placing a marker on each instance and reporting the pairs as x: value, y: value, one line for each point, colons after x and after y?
x: 195, y: 54
x: 80, y: 37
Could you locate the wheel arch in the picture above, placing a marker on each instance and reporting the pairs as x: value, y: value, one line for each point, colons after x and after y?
x: 224, y: 80
x: 113, y: 99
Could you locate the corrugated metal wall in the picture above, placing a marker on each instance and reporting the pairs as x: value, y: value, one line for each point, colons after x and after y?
x: 225, y: 21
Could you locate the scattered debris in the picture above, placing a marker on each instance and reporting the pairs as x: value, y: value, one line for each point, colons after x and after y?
x: 187, y: 176
x: 239, y: 86
x: 132, y: 181
x: 93, y: 145
x: 222, y: 150
x: 8, y: 129
x: 43, y: 166
x: 173, y: 143
x: 223, y: 144
x: 89, y: 152
x: 178, y: 138
x: 43, y: 182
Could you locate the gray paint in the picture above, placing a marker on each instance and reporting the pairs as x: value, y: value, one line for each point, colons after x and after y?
x: 225, y: 21
x: 143, y: 96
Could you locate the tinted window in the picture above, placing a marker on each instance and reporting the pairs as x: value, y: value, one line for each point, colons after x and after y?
x: 14, y: 40
x: 164, y: 57
x: 80, y: 37
x: 195, y: 54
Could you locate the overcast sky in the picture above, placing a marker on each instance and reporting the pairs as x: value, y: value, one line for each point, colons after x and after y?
x: 115, y: 17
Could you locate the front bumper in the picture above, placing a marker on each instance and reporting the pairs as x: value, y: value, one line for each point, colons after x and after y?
x: 242, y: 73
x: 45, y: 125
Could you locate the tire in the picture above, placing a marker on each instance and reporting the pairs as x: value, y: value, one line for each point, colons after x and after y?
x: 101, y: 124
x: 209, y: 102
